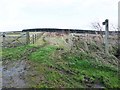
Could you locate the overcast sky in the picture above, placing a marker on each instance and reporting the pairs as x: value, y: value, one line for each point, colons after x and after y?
x: 16, y: 15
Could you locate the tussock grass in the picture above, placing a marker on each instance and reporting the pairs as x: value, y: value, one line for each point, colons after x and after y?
x: 69, y: 69
x: 56, y: 67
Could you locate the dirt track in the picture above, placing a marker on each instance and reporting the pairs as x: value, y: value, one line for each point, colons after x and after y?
x: 14, y: 74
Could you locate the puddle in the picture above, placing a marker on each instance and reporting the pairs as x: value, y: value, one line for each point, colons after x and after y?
x: 98, y: 86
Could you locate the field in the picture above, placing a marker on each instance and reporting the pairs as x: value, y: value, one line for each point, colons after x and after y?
x: 57, y: 60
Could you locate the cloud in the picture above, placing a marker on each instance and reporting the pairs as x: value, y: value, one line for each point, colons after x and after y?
x: 21, y: 14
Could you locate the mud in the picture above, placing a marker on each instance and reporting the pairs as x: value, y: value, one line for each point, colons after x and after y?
x: 14, y: 75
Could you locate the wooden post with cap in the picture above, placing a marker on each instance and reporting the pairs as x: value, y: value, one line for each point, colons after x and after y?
x: 106, y: 23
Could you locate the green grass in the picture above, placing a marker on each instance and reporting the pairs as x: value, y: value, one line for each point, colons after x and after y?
x: 42, y: 54
x: 70, y: 69
x: 82, y: 65
x: 15, y: 53
x: 65, y: 69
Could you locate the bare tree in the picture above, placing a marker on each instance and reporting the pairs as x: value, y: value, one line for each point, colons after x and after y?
x: 98, y: 27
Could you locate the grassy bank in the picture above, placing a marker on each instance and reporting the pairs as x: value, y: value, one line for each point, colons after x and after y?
x: 55, y: 67
x: 71, y: 70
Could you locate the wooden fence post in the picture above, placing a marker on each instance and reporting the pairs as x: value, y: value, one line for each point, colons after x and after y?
x: 27, y: 38
x: 106, y: 23
x: 37, y: 36
x: 3, y: 39
x: 33, y: 39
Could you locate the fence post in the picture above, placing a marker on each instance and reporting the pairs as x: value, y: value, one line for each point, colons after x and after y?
x: 106, y: 23
x: 32, y: 39
x: 27, y: 38
x: 38, y: 35
x: 35, y: 37
x: 3, y: 39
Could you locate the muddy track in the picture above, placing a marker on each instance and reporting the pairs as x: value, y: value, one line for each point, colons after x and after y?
x: 15, y: 73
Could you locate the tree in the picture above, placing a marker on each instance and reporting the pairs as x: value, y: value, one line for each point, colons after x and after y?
x: 96, y: 25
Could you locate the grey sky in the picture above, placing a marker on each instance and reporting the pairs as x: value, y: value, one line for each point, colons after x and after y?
x: 16, y: 15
